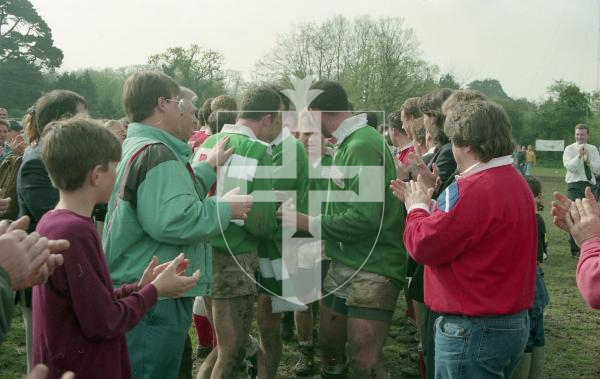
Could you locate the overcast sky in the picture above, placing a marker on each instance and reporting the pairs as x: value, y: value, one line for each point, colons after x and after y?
x: 525, y: 44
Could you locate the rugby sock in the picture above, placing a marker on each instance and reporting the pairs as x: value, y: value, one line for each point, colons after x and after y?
x: 204, y: 331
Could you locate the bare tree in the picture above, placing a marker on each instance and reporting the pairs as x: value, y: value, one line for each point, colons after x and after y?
x: 377, y: 60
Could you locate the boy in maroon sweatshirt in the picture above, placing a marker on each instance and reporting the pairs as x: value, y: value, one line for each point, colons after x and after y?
x: 79, y: 319
x: 479, y: 246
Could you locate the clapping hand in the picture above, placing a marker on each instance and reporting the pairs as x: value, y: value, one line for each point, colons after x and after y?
x: 17, y: 145
x: 171, y: 282
x: 561, y: 205
x: 154, y: 269
x: 583, y: 220
x: 28, y: 258
x: 431, y: 179
x: 413, y: 192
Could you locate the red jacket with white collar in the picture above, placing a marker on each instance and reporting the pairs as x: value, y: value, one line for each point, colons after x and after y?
x: 479, y: 244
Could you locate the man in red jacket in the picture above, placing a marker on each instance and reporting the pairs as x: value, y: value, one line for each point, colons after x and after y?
x: 478, y: 244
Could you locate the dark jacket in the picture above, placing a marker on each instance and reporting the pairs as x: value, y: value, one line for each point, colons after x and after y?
x: 35, y: 193
x: 444, y: 160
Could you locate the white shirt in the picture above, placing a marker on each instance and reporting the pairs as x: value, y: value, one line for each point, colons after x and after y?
x: 349, y: 126
x: 574, y: 164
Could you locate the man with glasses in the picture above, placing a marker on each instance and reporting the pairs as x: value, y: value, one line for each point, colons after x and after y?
x: 159, y: 208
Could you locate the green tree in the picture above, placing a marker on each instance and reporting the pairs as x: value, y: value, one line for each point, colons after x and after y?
x: 199, y: 69
x: 22, y: 83
x: 109, y: 89
x: 25, y: 35
x: 566, y: 107
x: 516, y: 111
x: 26, y: 50
x: 556, y: 117
x: 571, y: 99
x: 490, y: 87
x: 80, y: 82
x: 448, y: 81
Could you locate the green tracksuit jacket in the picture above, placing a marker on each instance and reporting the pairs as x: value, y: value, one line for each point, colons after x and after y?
x: 159, y: 207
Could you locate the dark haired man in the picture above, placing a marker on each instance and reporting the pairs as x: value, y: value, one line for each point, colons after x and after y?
x: 235, y: 262
x: 359, y: 306
x: 288, y: 157
x: 582, y: 162
x: 35, y: 192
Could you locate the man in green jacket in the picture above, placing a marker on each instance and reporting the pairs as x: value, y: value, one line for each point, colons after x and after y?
x: 159, y: 208
x: 235, y: 251
x: 363, y: 228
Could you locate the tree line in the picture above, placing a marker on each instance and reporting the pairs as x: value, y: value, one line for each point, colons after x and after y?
x: 378, y: 60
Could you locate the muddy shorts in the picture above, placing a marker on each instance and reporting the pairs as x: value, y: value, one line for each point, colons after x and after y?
x: 233, y: 276
x: 366, y: 295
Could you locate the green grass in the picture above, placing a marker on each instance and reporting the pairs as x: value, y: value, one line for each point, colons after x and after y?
x: 572, y: 342
x: 12, y: 351
x: 571, y: 326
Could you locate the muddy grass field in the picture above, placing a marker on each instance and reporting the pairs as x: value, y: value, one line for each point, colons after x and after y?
x: 572, y: 329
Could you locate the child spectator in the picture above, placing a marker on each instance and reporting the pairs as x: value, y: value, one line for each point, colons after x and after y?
x: 532, y: 363
x: 79, y: 319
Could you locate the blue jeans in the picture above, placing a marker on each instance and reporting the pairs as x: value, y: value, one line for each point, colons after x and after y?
x: 528, y: 167
x: 479, y: 347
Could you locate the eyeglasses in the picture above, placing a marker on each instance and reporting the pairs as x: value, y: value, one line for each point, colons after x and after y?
x: 180, y: 103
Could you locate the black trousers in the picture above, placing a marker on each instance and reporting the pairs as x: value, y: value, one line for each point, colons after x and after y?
x: 576, y: 190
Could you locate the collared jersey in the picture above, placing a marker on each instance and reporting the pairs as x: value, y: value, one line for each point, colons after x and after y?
x: 249, y: 169
x: 479, y: 244
x: 365, y: 230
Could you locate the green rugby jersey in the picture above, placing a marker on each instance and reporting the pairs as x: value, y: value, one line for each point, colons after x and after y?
x: 361, y: 230
x: 249, y: 169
